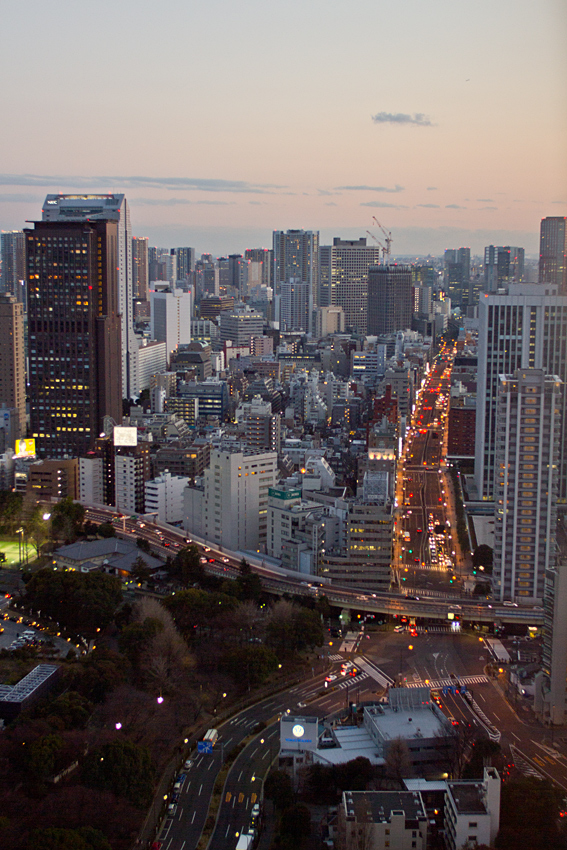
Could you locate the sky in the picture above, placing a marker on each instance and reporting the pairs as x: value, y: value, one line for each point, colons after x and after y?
x: 223, y: 120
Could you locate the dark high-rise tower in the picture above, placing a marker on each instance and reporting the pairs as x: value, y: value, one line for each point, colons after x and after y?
x: 390, y: 299
x: 74, y: 333
x: 140, y: 268
x: 553, y: 252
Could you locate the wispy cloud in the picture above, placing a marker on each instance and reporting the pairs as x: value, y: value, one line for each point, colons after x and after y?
x: 173, y: 202
x: 432, y: 188
x: 485, y: 200
x: 488, y: 209
x: 429, y: 206
x: 418, y: 118
x: 454, y: 207
x: 390, y: 189
x: 383, y: 204
x: 191, y: 184
x: 563, y: 203
x: 330, y: 204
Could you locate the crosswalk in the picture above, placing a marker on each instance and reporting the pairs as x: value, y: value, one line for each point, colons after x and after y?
x: 524, y: 766
x: 336, y: 657
x: 350, y: 681
x: 435, y: 684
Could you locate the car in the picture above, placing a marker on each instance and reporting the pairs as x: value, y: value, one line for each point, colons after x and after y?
x: 172, y: 810
x: 416, y: 560
x: 510, y: 604
x: 399, y: 629
x: 453, y: 720
x: 331, y: 677
x: 188, y: 764
x: 206, y: 548
x: 419, y: 530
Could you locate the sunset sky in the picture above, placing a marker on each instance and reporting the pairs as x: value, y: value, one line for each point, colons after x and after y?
x: 222, y: 120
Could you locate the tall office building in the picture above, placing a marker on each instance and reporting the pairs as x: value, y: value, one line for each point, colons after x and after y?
x: 502, y: 265
x: 526, y: 482
x: 457, y: 276
x: 343, y: 278
x: 172, y: 312
x: 13, y: 264
x: 13, y: 362
x: 185, y: 262
x: 296, y: 255
x: 73, y: 333
x: 295, y: 306
x: 140, y: 268
x: 525, y: 329
x: 390, y: 299
x: 553, y: 252
x: 551, y: 685
x: 266, y: 257
x: 60, y: 208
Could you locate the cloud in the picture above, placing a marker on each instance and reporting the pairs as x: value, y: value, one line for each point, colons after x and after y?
x: 429, y: 206
x: 454, y: 207
x: 191, y: 184
x: 392, y: 190
x: 172, y: 202
x: 418, y: 118
x: 20, y: 199
x: 563, y: 203
x: 489, y: 209
x: 485, y: 200
x: 383, y: 204
x: 432, y: 188
x: 330, y: 204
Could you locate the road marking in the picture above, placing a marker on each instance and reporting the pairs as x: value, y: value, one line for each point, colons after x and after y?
x: 495, y: 715
x: 241, y: 797
x: 253, y: 798
x: 515, y: 736
x: 227, y: 831
x: 228, y: 796
x: 240, y: 776
x: 183, y: 845
x: 200, y: 789
x: 193, y: 818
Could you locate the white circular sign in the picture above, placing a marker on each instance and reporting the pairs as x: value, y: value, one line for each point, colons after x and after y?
x: 298, y: 730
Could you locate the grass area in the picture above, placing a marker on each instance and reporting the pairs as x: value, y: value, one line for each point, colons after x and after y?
x: 11, y: 549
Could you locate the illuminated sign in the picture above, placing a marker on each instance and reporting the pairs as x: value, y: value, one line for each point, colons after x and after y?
x: 125, y: 436
x: 25, y: 448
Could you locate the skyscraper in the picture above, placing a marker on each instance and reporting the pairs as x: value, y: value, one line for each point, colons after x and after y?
x: 343, y: 278
x: 107, y: 208
x: 185, y: 263
x: 526, y: 482
x: 525, y: 329
x: 502, y: 265
x: 457, y: 276
x: 553, y: 252
x: 390, y: 299
x: 74, y: 333
x: 13, y: 360
x: 140, y: 268
x: 296, y: 255
x: 13, y: 264
x: 295, y: 313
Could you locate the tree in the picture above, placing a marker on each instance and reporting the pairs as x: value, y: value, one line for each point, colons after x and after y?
x: 83, y: 602
x: 529, y: 815
x: 143, y: 544
x: 279, y: 789
x: 249, y: 665
x: 483, y: 556
x: 249, y: 584
x: 398, y: 762
x: 10, y: 511
x: 292, y: 628
x: 37, y: 528
x: 67, y: 519
x: 106, y: 529
x: 187, y: 563
x: 53, y: 838
x: 122, y: 767
x: 140, y: 570
x: 96, y: 674
x: 295, y: 823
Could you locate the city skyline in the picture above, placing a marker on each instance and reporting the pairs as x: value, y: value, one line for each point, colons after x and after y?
x: 446, y: 131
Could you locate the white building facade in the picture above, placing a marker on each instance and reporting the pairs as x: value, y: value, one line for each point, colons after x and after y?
x: 164, y: 497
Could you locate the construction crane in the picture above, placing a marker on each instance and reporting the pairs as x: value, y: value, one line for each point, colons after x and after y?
x: 380, y: 245
x: 387, y: 237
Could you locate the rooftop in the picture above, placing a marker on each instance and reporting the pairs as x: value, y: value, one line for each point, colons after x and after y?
x: 468, y: 797
x: 380, y: 806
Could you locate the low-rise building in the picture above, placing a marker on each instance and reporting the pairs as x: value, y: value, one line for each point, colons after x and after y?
x: 378, y: 820
x: 164, y: 497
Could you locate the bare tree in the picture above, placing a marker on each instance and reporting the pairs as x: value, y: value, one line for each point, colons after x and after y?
x: 398, y: 762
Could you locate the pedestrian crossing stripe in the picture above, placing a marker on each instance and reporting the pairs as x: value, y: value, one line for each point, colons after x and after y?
x: 447, y: 683
x: 335, y: 657
x: 352, y: 680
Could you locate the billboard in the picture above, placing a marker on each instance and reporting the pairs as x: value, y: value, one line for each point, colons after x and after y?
x: 25, y: 448
x: 125, y: 436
